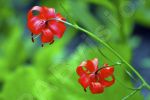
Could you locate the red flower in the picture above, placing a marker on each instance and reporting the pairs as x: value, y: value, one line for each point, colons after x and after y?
x: 94, y: 78
x: 41, y: 22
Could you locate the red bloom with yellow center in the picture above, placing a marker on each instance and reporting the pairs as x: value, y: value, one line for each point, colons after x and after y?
x: 93, y: 77
x: 41, y: 21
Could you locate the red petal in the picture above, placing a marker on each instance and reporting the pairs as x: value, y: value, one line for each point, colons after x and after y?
x: 83, y: 63
x: 95, y: 61
x: 84, y: 81
x: 35, y: 8
x: 107, y: 83
x: 80, y: 71
x: 59, y: 16
x: 93, y: 78
x: 96, y: 87
x: 48, y: 12
x: 105, y: 65
x: 47, y: 36
x: 91, y: 66
x: 106, y: 72
x: 36, y: 25
x: 58, y: 28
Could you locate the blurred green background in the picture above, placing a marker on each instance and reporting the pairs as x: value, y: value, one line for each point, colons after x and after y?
x: 30, y: 72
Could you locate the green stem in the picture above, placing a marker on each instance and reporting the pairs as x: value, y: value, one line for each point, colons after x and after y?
x: 121, y: 23
x: 108, y: 47
x: 126, y: 86
x: 132, y: 93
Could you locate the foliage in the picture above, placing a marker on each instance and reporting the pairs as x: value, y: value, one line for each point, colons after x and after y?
x: 30, y: 72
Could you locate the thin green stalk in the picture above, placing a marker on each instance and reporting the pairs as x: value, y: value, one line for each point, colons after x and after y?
x: 121, y: 23
x: 108, y: 47
x: 132, y: 93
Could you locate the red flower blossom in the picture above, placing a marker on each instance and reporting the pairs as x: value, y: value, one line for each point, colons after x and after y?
x: 94, y: 78
x: 41, y: 22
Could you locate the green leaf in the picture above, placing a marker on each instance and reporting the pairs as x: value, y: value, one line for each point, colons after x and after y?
x: 20, y: 84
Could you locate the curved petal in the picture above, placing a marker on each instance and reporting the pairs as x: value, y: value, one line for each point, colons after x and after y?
x: 95, y: 61
x: 47, y: 36
x: 36, y: 25
x: 105, y: 65
x: 91, y: 66
x: 48, y: 12
x: 59, y: 16
x: 58, y: 28
x: 106, y: 83
x: 80, y: 71
x: 106, y: 72
x: 35, y: 8
x: 96, y: 88
x: 93, y: 78
x: 83, y: 63
x: 84, y: 81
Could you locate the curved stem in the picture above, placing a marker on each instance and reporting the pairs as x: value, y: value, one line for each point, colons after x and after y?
x: 132, y: 93
x: 108, y: 47
x: 126, y: 86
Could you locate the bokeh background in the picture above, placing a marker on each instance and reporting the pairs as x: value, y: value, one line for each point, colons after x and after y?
x: 30, y: 72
